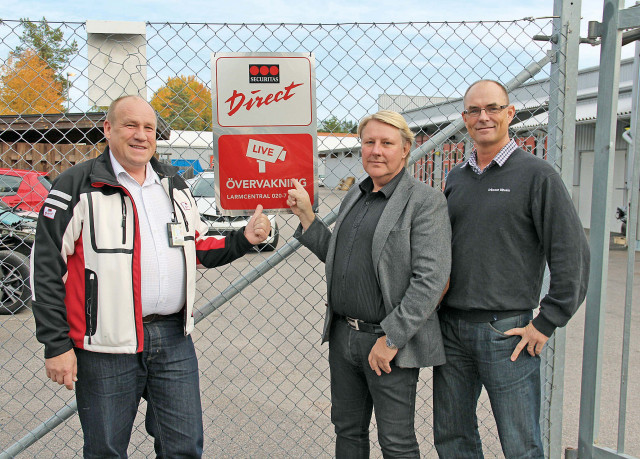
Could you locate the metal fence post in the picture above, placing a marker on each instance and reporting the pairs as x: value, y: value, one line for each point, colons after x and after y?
x: 599, y: 234
x: 561, y: 151
x: 632, y: 235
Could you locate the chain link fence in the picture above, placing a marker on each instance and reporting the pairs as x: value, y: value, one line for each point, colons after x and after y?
x: 264, y: 374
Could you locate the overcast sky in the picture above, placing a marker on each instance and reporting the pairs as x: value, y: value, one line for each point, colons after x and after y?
x: 328, y: 11
x: 289, y: 11
x: 277, y: 11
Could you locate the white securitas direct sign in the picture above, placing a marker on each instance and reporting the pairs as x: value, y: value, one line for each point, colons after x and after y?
x: 264, y: 126
x: 263, y: 92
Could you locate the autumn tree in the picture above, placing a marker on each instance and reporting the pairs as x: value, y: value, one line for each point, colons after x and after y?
x: 28, y: 85
x: 185, y: 103
x: 50, y: 44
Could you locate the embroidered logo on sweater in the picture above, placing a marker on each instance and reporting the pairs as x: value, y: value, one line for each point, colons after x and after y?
x: 500, y: 190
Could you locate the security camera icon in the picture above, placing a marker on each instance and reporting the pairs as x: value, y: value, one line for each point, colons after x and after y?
x: 265, y: 152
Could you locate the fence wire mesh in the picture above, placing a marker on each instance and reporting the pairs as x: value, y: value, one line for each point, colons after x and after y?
x: 264, y: 374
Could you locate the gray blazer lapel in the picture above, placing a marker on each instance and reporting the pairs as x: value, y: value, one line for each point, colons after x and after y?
x: 349, y: 200
x: 389, y: 217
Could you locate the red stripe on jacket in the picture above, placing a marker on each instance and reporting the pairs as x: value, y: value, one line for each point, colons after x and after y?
x: 75, y: 295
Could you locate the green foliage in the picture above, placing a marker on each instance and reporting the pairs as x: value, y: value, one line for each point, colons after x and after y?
x: 51, y: 46
x: 333, y: 124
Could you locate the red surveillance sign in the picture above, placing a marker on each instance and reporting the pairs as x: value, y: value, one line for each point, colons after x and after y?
x: 264, y: 129
x: 258, y: 168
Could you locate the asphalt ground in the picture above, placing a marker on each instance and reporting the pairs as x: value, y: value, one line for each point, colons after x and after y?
x: 264, y: 373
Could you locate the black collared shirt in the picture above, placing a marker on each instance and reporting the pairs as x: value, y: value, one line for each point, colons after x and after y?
x: 354, y: 287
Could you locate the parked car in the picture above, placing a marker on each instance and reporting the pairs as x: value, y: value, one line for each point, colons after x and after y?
x: 204, y: 191
x: 24, y: 190
x: 17, y: 232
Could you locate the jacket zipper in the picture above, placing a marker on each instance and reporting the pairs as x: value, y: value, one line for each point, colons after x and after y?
x: 90, y: 304
x: 124, y: 220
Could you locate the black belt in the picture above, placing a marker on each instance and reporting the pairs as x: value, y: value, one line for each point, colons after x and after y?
x: 361, y: 325
x: 153, y: 317
x: 478, y: 315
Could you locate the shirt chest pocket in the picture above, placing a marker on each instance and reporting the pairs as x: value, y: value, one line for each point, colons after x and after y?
x: 111, y: 223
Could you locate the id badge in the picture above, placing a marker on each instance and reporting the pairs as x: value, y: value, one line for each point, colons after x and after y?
x: 176, y: 234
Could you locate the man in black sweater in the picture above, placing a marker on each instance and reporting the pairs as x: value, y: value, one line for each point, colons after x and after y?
x: 510, y: 215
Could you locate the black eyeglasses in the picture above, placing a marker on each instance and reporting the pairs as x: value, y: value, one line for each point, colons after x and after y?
x: 474, y: 112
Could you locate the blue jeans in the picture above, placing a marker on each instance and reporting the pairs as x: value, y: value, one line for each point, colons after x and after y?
x: 356, y: 390
x: 109, y: 388
x: 478, y: 354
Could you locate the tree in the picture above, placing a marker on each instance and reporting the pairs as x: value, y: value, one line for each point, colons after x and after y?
x: 350, y: 126
x: 49, y: 43
x: 185, y: 103
x: 333, y: 124
x: 28, y: 86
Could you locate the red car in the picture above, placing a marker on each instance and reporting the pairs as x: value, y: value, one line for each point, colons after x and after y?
x: 25, y: 189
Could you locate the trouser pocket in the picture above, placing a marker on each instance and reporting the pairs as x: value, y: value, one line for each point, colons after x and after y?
x: 517, y: 321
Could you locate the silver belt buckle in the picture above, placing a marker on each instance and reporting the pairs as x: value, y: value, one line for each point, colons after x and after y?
x: 353, y: 323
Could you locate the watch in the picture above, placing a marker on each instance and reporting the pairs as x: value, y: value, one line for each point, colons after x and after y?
x: 390, y: 344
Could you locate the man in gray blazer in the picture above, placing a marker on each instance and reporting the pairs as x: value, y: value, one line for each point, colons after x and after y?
x: 387, y: 264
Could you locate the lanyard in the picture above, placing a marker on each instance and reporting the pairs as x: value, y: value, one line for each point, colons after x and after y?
x: 175, y: 204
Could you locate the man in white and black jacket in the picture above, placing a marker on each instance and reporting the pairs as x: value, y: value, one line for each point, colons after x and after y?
x: 113, y: 276
x: 510, y: 216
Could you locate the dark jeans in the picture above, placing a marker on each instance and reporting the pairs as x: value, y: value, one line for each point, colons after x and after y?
x: 479, y: 354
x: 109, y: 388
x: 356, y: 390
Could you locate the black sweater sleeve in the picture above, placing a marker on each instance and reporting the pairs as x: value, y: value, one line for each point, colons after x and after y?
x: 567, y: 253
